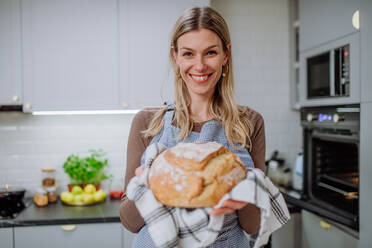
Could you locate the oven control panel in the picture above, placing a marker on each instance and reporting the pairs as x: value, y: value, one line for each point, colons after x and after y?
x: 322, y: 117
x: 330, y: 115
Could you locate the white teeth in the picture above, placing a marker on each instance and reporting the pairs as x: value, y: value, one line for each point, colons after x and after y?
x: 201, y: 78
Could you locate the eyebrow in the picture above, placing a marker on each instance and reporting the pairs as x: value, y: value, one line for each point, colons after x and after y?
x: 187, y: 48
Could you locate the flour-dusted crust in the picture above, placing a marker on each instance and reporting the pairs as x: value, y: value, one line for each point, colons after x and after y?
x: 193, y: 175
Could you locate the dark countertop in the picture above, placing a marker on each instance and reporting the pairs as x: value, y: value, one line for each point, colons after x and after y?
x: 292, y: 208
x: 59, y: 213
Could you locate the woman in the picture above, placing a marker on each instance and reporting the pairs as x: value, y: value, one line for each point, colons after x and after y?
x: 200, y: 53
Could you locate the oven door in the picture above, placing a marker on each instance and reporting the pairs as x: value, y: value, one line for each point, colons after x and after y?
x: 333, y: 171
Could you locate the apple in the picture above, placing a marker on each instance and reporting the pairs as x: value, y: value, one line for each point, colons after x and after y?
x: 67, y: 197
x: 78, y: 198
x: 99, y: 195
x: 88, y: 198
x: 76, y: 190
x: 90, y: 189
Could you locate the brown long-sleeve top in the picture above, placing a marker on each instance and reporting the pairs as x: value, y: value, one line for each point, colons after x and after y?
x: 137, y: 143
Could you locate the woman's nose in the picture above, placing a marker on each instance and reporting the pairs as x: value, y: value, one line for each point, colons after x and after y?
x: 200, y: 64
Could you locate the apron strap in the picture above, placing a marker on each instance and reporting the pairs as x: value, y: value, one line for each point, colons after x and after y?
x: 211, y: 131
x: 168, y: 117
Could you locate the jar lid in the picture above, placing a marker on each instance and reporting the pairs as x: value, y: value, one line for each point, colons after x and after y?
x: 51, y: 189
x: 40, y: 191
x: 48, y: 169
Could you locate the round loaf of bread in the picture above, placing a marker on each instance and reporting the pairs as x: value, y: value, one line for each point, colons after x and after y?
x: 193, y: 175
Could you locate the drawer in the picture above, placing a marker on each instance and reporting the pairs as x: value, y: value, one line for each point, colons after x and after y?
x: 71, y: 236
x: 320, y: 232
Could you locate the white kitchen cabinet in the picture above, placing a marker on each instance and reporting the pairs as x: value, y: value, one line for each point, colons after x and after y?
x: 320, y: 232
x: 6, y: 237
x: 145, y: 32
x: 324, y: 21
x: 10, y: 50
x: 289, y: 235
x: 365, y: 172
x: 72, y: 236
x: 366, y: 54
x: 98, y: 55
x: 127, y: 238
x: 70, y: 54
x: 294, y: 54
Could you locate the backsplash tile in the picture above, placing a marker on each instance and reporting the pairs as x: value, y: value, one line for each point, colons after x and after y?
x: 29, y: 143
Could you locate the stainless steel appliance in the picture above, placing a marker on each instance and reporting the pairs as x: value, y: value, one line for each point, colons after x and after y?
x: 331, y: 160
x: 330, y: 73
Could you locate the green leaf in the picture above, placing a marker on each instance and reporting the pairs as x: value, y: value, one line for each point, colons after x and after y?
x: 88, y: 169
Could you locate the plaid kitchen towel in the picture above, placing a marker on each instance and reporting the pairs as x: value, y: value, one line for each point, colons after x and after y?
x: 196, y: 228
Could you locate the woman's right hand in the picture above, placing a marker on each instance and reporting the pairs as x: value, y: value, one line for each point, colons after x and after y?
x: 139, y: 171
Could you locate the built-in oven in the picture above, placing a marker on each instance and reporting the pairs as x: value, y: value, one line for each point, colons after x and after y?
x: 331, y: 160
x: 330, y: 74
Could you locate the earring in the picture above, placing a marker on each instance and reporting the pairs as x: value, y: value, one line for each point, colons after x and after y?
x: 226, y: 70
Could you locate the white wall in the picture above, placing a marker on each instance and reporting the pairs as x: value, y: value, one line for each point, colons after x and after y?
x: 29, y: 143
x: 259, y: 31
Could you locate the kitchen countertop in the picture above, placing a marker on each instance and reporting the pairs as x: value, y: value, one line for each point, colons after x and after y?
x: 61, y: 214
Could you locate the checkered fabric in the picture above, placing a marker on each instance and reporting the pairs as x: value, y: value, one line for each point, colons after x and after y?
x: 180, y: 227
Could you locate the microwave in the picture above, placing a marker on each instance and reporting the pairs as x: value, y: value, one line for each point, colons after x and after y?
x: 330, y: 73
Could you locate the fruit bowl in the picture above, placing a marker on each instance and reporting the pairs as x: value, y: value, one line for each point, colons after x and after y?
x: 82, y: 203
x: 83, y: 197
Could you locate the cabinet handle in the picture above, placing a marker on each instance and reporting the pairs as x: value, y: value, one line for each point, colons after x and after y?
x: 355, y: 20
x: 68, y: 228
x: 325, y: 225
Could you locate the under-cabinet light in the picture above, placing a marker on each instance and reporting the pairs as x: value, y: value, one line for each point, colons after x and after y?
x: 86, y: 112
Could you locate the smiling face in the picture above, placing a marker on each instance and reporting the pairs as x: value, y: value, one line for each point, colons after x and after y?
x: 200, y: 57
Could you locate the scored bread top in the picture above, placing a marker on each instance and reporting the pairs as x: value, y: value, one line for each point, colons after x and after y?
x: 194, y: 174
x: 193, y: 156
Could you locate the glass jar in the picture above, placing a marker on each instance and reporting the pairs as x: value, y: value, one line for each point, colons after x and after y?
x: 116, y: 188
x: 52, y: 194
x: 48, y: 177
x: 40, y: 197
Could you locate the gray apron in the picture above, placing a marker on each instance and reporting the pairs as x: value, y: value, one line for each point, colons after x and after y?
x: 231, y: 234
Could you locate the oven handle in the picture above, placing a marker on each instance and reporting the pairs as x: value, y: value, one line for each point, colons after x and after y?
x: 335, y: 137
x: 345, y: 193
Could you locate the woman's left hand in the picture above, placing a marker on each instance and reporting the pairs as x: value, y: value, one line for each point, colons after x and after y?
x: 228, y: 206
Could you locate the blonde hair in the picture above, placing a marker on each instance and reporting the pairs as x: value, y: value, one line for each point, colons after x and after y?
x: 222, y: 106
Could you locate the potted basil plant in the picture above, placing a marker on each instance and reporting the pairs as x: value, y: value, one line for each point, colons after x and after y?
x: 86, y: 170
